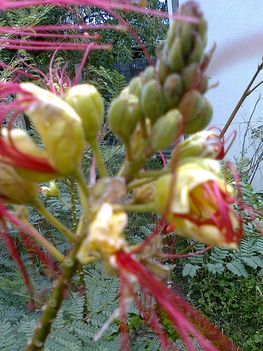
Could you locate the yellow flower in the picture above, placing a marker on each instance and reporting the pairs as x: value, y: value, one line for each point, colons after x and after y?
x: 199, y: 203
x: 105, y: 236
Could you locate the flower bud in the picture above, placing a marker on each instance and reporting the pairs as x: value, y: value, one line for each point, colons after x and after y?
x: 197, y: 52
x: 191, y: 76
x: 205, y: 144
x: 88, y: 103
x: 172, y: 90
x: 191, y: 105
x: 200, y: 205
x: 135, y: 86
x: 124, y: 114
x: 175, y: 56
x: 152, y: 100
x: 51, y: 191
x: 186, y: 35
x: 165, y: 130
x: 202, y: 119
x: 149, y: 74
x: 163, y: 70
x: 24, y: 144
x: 59, y: 127
x: 13, y: 188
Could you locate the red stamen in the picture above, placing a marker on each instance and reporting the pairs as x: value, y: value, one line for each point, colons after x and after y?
x: 187, y: 321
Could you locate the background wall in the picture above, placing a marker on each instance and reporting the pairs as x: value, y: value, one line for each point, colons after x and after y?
x: 236, y: 27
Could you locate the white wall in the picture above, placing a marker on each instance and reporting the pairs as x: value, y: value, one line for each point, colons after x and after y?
x: 236, y: 26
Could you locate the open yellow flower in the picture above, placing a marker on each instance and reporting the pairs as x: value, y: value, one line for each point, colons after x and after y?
x: 199, y: 204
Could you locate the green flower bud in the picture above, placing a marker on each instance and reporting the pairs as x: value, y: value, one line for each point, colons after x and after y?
x: 162, y: 192
x: 149, y: 74
x: 205, y: 144
x: 88, y: 103
x: 172, y: 90
x: 13, y: 188
x: 135, y: 86
x: 197, y: 52
x: 166, y: 130
x: 191, y: 76
x: 202, y: 118
x: 163, y: 70
x: 60, y: 128
x: 152, y: 100
x: 124, y: 114
x: 175, y: 56
x: 186, y: 35
x: 191, y: 105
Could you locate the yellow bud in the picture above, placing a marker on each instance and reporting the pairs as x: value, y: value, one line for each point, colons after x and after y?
x: 51, y: 191
x: 152, y: 100
x: 175, y: 56
x: 25, y: 144
x: 60, y: 128
x: 13, y: 188
x: 200, y: 204
x: 172, y: 90
x: 166, y: 130
x: 88, y: 103
x: 124, y: 114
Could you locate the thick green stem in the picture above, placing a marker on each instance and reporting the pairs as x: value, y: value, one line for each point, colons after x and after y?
x: 100, y: 163
x: 137, y: 183
x: 149, y: 207
x: 44, y: 242
x: 51, y: 308
x: 130, y: 169
x: 153, y: 174
x: 54, y: 222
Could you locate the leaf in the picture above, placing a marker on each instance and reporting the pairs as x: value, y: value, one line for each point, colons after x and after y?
x: 215, y: 268
x: 237, y: 268
x: 190, y: 270
x: 253, y: 261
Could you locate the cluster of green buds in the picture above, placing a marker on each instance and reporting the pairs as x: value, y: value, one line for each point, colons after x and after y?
x: 166, y: 101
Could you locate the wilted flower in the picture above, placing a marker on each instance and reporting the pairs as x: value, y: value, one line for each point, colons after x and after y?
x: 105, y: 235
x: 200, y: 206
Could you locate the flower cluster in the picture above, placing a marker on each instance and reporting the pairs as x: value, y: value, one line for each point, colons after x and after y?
x: 155, y: 110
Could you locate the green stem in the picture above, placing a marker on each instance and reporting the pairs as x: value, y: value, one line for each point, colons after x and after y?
x: 130, y: 169
x: 51, y: 308
x: 83, y: 194
x: 73, y: 204
x: 44, y: 242
x: 153, y: 174
x: 149, y: 207
x: 137, y: 183
x: 53, y: 221
x: 100, y: 163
